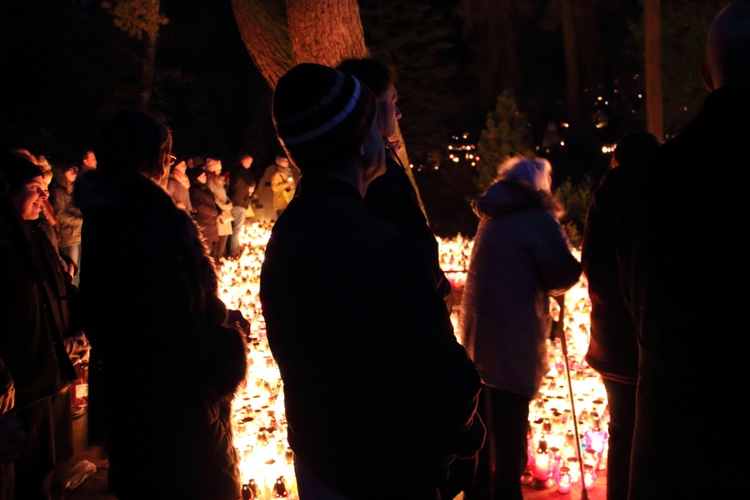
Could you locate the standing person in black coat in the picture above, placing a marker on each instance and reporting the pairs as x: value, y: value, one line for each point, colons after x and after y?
x: 392, y: 195
x: 241, y: 189
x: 379, y: 394
x: 613, y: 349
x: 35, y: 338
x: 684, y: 246
x: 205, y: 210
x: 167, y: 364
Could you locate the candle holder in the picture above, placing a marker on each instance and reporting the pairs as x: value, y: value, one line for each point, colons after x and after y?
x: 564, y: 481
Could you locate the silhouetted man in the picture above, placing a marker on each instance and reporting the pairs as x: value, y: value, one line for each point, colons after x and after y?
x: 685, y: 262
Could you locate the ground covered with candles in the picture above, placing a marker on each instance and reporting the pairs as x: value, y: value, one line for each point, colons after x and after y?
x: 553, y: 470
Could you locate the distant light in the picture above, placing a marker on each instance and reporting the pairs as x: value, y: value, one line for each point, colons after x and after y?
x: 450, y: 146
x: 607, y: 149
x: 466, y: 136
x: 473, y: 164
x: 640, y: 96
x: 617, y: 91
x: 600, y: 98
x: 565, y: 125
x: 685, y: 108
x: 562, y: 143
x: 606, y: 103
x: 456, y: 160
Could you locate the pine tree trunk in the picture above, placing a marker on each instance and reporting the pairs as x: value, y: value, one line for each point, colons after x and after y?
x: 149, y: 63
x: 325, y: 31
x: 264, y: 29
x: 571, y: 63
x: 654, y: 104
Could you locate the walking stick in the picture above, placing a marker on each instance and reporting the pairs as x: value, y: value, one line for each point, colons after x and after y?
x: 584, y: 492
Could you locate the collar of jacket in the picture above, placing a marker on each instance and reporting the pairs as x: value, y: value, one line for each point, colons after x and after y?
x: 321, y: 185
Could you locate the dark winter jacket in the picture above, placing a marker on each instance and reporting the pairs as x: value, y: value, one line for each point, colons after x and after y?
x: 68, y: 216
x: 684, y: 248
x: 520, y: 259
x: 392, y: 197
x: 241, y: 186
x: 167, y: 364
x: 205, y: 211
x: 378, y: 392
x: 613, y: 349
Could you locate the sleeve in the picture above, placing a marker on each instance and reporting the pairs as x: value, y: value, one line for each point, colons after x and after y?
x: 278, y: 183
x: 558, y: 268
x: 200, y: 207
x: 448, y: 384
x: 65, y: 212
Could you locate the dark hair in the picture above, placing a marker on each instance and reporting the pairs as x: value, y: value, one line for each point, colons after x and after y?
x: 372, y: 73
x: 133, y: 141
x: 635, y: 147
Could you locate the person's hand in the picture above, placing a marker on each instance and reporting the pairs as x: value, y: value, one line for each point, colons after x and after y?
x: 236, y: 319
x: 8, y: 399
x: 77, y: 347
x: 12, y: 437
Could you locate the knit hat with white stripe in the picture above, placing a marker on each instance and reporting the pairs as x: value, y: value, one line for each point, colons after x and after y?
x: 321, y: 115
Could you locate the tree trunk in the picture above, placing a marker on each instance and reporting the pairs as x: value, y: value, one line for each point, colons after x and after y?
x: 325, y: 31
x: 571, y: 63
x: 264, y: 29
x: 654, y: 104
x: 149, y: 64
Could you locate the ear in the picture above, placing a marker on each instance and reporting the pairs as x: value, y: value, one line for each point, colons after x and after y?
x: 706, y: 77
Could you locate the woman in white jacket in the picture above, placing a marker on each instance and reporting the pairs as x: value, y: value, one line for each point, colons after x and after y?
x: 520, y: 259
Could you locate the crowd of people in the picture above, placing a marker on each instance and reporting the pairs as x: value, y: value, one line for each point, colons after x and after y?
x: 382, y: 401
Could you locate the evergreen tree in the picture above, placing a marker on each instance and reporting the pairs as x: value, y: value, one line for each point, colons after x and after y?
x: 506, y: 134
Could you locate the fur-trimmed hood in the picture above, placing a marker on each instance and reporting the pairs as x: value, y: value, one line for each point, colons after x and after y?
x: 508, y: 196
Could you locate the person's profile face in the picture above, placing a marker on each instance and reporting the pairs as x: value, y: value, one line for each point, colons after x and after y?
x: 90, y: 160
x: 388, y: 113
x: 70, y: 175
x: 29, y: 198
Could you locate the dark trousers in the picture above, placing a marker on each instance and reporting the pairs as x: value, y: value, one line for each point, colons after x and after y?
x: 503, y: 458
x: 42, y: 469
x: 218, y: 248
x: 621, y: 401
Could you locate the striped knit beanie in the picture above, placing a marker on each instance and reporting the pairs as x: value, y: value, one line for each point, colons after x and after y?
x: 321, y: 115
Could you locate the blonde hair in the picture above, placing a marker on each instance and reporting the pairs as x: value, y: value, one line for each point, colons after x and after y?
x: 534, y: 172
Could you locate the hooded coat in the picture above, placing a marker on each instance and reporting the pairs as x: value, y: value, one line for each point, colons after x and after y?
x: 166, y: 365
x: 520, y: 258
